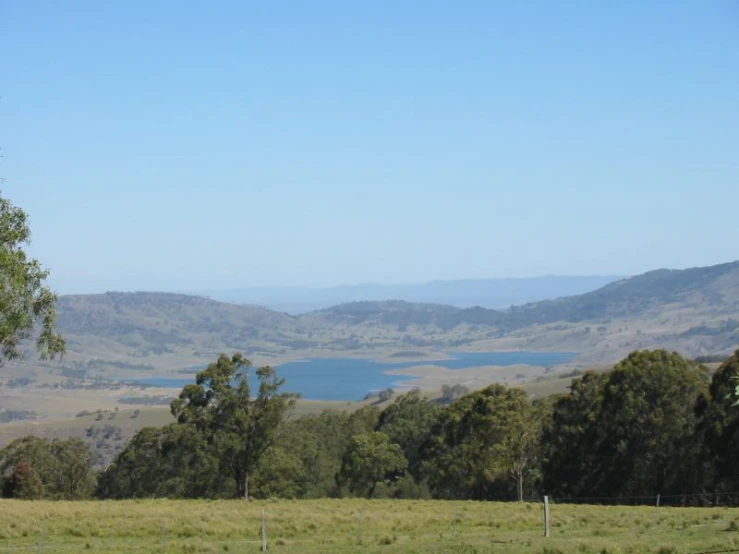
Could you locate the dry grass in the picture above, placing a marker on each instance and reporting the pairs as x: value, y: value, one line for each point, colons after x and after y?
x: 332, y: 526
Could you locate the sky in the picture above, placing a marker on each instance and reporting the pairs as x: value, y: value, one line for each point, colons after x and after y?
x: 206, y: 145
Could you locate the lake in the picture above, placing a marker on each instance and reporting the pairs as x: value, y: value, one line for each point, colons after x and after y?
x: 351, y: 379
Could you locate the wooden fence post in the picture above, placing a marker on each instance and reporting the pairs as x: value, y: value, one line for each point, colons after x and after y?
x: 264, y: 532
x: 546, y: 516
x: 359, y: 525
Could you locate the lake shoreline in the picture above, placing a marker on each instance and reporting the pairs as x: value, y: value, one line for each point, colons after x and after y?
x: 350, y: 379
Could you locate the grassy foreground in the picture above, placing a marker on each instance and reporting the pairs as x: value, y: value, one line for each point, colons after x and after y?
x: 327, y: 526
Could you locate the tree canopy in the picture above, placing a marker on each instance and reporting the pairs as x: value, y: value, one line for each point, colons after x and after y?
x: 239, y: 428
x: 652, y: 425
x: 27, y: 305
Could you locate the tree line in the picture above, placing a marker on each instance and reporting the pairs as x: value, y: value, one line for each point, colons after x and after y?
x: 657, y: 423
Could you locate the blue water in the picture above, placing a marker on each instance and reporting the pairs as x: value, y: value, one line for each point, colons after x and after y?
x: 352, y: 378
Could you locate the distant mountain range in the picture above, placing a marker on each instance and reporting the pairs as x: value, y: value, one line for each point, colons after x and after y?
x: 487, y: 293
x: 694, y: 311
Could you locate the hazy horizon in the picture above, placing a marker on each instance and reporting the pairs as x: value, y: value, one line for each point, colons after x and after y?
x: 171, y: 146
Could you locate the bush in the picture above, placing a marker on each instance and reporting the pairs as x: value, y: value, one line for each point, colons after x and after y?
x: 24, y: 483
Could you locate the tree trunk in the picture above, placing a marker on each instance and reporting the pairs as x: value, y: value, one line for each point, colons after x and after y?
x: 519, y: 478
x: 242, y: 486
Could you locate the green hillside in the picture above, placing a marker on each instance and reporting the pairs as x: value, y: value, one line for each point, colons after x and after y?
x: 695, y: 310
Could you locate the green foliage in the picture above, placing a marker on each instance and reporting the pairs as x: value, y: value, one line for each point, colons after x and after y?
x: 63, y: 466
x: 370, y: 460
x: 23, y: 483
x: 650, y: 426
x: 407, y: 422
x: 570, y: 461
x: 318, y: 442
x: 386, y: 394
x: 482, y: 444
x: 451, y: 393
x: 630, y: 432
x: 719, y: 426
x: 24, y: 299
x: 278, y: 474
x: 173, y: 461
x: 238, y: 428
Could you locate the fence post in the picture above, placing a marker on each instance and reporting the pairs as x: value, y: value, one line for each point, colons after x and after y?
x: 656, y: 515
x: 164, y: 536
x: 264, y: 532
x: 546, y: 516
x: 359, y: 525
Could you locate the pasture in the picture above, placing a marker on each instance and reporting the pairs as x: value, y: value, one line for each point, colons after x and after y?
x: 360, y: 526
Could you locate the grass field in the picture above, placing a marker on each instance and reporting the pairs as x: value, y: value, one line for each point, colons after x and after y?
x: 333, y: 526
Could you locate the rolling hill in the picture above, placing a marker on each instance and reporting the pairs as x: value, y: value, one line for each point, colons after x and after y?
x: 489, y: 293
x: 693, y: 310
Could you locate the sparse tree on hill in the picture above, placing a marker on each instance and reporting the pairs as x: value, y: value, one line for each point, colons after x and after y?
x: 450, y: 393
x: 386, y: 394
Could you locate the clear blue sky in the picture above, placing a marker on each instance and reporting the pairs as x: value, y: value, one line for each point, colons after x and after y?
x: 186, y: 145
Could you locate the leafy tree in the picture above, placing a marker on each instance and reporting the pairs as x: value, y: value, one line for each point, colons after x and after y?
x: 363, y: 420
x: 25, y: 301
x: 571, y: 466
x: 451, y: 393
x: 23, y: 483
x: 172, y: 461
x: 648, y: 442
x: 278, y: 474
x: 319, y: 442
x: 632, y: 431
x: 239, y: 428
x: 719, y: 427
x: 73, y: 477
x: 386, y: 394
x: 408, y: 422
x: 370, y: 460
x: 482, y: 443
x: 64, y: 466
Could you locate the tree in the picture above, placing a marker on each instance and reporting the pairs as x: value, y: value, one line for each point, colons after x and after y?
x: 319, y: 443
x: 408, y: 422
x: 386, y: 394
x: 239, y: 428
x: 451, y: 393
x: 64, y: 466
x: 719, y: 427
x: 25, y: 301
x: 173, y: 461
x: 371, y: 459
x: 482, y: 443
x: 23, y: 483
x: 571, y: 466
x: 630, y: 432
x: 73, y: 476
x: 648, y: 442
